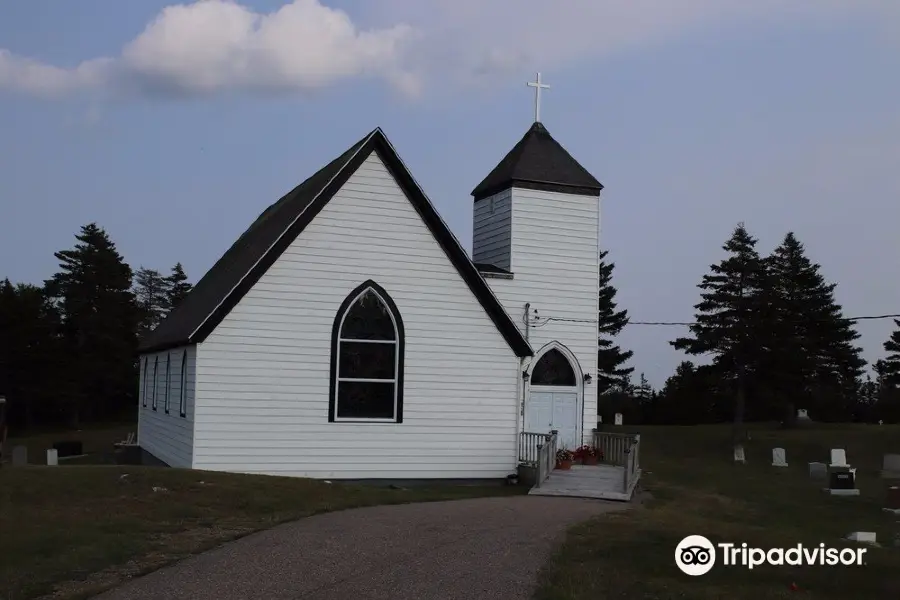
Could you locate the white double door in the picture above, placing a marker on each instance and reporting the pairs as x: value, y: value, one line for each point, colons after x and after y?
x: 554, y: 409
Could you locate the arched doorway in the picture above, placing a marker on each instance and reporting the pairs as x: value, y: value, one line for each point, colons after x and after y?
x: 554, y: 396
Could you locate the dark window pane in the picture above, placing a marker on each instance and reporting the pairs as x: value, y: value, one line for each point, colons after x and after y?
x: 368, y: 319
x: 553, y: 369
x: 358, y: 400
x: 361, y: 360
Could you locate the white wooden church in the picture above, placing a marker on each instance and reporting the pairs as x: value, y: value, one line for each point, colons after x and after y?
x: 348, y: 335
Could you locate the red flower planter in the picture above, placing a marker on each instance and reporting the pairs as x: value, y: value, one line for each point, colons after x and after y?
x: 564, y: 465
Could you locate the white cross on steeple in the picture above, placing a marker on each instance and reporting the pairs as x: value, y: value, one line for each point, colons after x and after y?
x: 538, y: 86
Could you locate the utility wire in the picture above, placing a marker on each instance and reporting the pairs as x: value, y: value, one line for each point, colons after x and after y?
x: 544, y: 320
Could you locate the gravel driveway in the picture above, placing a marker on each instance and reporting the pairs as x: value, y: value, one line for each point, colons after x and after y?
x: 488, y: 548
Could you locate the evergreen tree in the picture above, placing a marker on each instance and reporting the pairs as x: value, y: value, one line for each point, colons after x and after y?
x: 99, y: 318
x: 610, y: 357
x: 29, y: 356
x: 815, y: 355
x: 178, y: 286
x: 891, y: 364
x: 643, y: 391
x: 151, y: 291
x: 730, y: 322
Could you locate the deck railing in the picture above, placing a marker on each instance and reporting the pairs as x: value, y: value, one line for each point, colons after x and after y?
x: 546, y: 458
x: 528, y: 447
x: 621, y: 450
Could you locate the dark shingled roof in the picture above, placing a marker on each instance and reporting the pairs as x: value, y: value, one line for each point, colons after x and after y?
x: 235, y: 273
x: 539, y: 162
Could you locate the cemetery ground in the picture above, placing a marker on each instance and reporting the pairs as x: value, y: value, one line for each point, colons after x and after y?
x: 697, y: 489
x: 74, y: 530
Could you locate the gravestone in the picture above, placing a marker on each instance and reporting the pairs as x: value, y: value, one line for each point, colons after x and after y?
x: 19, y: 456
x: 52, y: 458
x: 892, y: 499
x: 841, y: 476
x: 838, y: 458
x: 818, y: 471
x: 618, y: 418
x: 778, y: 457
x: 865, y: 537
x: 802, y: 414
x: 739, y: 456
x: 890, y: 467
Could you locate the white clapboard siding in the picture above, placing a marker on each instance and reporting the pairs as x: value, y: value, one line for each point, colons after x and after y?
x: 168, y: 437
x: 555, y: 261
x: 263, y: 373
x: 492, y: 228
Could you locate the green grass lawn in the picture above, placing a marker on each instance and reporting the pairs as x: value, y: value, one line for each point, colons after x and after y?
x: 697, y: 489
x: 77, y: 530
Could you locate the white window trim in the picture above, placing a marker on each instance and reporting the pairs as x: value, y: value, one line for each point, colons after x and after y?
x: 146, y: 387
x: 168, y: 376
x: 155, y: 380
x: 337, y: 358
x: 182, y: 399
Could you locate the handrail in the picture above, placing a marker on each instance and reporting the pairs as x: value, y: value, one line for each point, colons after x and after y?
x: 546, y: 458
x: 621, y: 450
x: 529, y: 442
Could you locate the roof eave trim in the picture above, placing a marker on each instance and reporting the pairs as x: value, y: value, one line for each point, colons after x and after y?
x: 533, y: 184
x: 225, y: 298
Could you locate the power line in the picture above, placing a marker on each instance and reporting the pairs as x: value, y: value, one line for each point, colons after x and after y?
x: 545, y: 320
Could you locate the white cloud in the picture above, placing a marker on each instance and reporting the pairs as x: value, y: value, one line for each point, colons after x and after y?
x: 216, y: 45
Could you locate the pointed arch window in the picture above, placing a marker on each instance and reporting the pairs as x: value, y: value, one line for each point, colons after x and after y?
x: 155, y: 379
x: 367, y: 350
x: 553, y: 368
x: 146, y: 390
x: 168, y: 377
x: 182, y: 391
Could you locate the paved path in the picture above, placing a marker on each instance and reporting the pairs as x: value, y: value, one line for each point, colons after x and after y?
x: 489, y: 548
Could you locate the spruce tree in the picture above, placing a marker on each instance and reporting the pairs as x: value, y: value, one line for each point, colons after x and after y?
x: 815, y: 355
x: 610, y: 357
x: 93, y: 292
x: 151, y: 291
x: 730, y: 321
x: 178, y: 286
x: 891, y: 364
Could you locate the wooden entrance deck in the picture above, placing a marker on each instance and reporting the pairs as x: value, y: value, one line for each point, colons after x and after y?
x: 615, y: 478
x: 605, y: 482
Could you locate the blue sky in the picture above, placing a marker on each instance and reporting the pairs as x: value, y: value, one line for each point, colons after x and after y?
x: 781, y: 115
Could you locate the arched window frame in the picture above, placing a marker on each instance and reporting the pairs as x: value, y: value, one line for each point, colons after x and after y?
x: 399, y: 356
x: 568, y: 363
x: 168, y: 378
x: 146, y: 389
x: 568, y: 354
x: 155, y: 379
x: 182, y: 392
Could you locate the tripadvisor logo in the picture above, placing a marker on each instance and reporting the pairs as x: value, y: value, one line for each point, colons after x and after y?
x: 696, y: 555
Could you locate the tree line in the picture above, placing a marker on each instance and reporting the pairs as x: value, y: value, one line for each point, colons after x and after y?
x: 69, y: 346
x: 775, y: 339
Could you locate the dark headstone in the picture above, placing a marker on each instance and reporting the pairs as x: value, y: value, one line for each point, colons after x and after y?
x: 68, y: 448
x: 842, y: 480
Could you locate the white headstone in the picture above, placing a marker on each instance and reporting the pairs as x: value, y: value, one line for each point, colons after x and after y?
x: 778, y: 457
x: 838, y: 457
x: 739, y: 454
x: 52, y: 458
x: 801, y: 414
x: 618, y: 418
x: 818, y: 470
x: 19, y: 456
x: 866, y: 537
